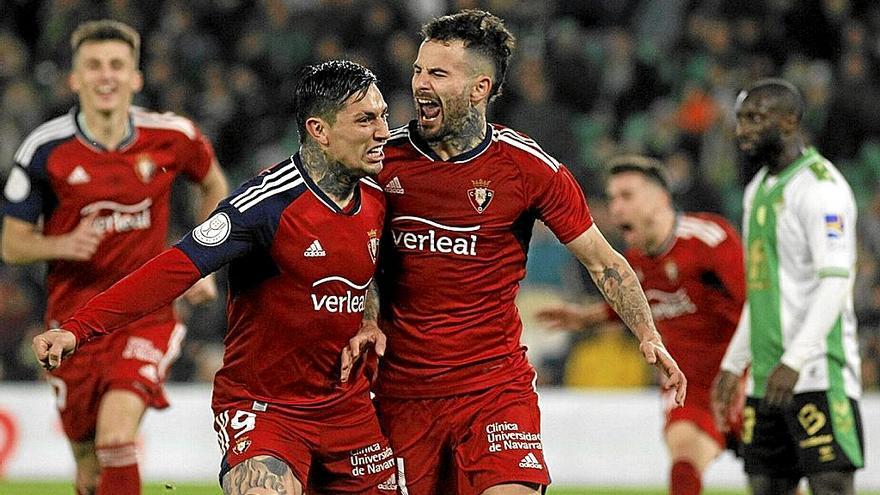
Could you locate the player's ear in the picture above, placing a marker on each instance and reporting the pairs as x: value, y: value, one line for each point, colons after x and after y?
x: 317, y: 129
x: 482, y: 88
x: 73, y: 82
x: 137, y: 83
x: 789, y: 123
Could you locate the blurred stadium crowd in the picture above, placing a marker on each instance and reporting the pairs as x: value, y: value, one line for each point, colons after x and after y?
x: 591, y: 78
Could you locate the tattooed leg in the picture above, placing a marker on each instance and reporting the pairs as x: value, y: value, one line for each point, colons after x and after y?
x: 261, y: 475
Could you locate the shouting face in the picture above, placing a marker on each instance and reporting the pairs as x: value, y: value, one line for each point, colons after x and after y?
x: 445, y: 75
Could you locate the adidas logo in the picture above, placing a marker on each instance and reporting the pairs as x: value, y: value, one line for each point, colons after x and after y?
x: 394, y: 186
x: 314, y: 250
x: 530, y: 461
x: 390, y: 484
x: 78, y: 176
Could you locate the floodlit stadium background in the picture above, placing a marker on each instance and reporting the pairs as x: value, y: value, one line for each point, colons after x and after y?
x: 590, y: 78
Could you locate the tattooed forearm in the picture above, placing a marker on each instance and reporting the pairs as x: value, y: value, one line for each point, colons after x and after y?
x: 619, y: 285
x: 371, y: 303
x: 261, y: 472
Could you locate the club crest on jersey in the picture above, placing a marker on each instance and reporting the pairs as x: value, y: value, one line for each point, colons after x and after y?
x: 373, y: 244
x: 145, y: 168
x: 241, y: 445
x: 480, y: 196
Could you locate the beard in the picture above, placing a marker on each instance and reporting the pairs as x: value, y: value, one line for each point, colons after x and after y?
x: 456, y: 116
x: 766, y: 151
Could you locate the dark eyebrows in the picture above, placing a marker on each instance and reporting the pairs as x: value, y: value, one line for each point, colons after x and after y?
x: 430, y: 70
x: 371, y: 114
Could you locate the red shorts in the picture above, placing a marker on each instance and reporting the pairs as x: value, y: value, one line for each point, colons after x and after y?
x: 327, y: 454
x: 698, y: 410
x: 466, y: 443
x: 134, y: 359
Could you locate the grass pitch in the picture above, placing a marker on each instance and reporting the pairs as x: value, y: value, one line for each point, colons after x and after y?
x: 65, y: 488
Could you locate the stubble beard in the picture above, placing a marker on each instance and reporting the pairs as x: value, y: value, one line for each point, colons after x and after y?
x: 462, y: 127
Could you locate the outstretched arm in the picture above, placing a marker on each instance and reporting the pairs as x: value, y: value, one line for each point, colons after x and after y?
x: 618, y: 283
x: 152, y: 286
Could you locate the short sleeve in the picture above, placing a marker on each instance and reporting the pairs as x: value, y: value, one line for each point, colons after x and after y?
x: 197, y: 156
x: 27, y: 193
x: 561, y: 205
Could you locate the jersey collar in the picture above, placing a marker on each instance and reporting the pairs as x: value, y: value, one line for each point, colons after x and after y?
x: 670, y: 240
x: 415, y: 138
x: 83, y: 134
x: 808, y: 158
x: 351, y: 209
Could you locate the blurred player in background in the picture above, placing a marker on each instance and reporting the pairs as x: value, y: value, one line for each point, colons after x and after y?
x: 455, y: 392
x: 301, y: 241
x: 90, y: 194
x: 797, y: 329
x: 691, y: 268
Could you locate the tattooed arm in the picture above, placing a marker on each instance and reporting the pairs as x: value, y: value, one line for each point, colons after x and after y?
x: 617, y: 281
x: 368, y: 335
x: 261, y: 474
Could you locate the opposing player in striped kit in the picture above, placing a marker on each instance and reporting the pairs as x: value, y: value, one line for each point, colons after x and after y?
x: 797, y: 329
x: 301, y: 241
x: 691, y: 268
x: 101, y: 179
x: 455, y: 390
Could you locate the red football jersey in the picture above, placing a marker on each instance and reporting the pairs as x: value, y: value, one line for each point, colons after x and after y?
x: 299, y: 267
x: 62, y: 175
x: 455, y: 251
x: 696, y: 290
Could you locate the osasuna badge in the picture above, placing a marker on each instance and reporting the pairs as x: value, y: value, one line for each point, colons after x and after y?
x: 480, y: 196
x: 241, y: 445
x: 373, y: 244
x: 145, y: 168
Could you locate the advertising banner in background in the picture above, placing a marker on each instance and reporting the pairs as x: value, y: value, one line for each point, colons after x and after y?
x: 603, y: 438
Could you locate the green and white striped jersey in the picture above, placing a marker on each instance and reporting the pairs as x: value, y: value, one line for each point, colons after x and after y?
x: 799, y: 226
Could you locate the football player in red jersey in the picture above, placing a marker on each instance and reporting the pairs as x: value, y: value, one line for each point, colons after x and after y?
x: 455, y: 391
x: 301, y: 241
x: 100, y: 178
x: 691, y: 268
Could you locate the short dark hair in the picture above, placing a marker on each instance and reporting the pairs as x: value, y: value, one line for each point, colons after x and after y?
x: 321, y: 90
x: 651, y: 168
x: 784, y: 96
x: 481, y: 32
x: 107, y: 30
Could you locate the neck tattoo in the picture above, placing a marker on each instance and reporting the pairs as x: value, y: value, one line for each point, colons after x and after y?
x: 331, y: 176
x: 467, y: 133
